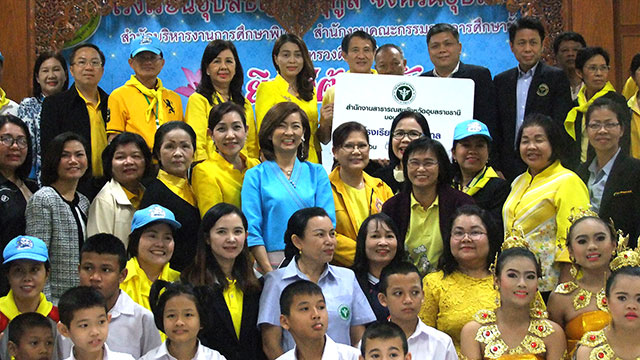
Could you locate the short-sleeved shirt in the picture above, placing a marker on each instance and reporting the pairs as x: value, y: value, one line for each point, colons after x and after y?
x: 427, y: 340
x: 346, y: 303
x: 331, y: 351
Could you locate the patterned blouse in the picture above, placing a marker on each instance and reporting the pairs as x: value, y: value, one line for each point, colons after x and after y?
x: 29, y: 111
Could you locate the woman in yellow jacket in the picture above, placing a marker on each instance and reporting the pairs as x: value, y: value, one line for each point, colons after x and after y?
x: 295, y: 82
x: 222, y: 81
x: 355, y: 194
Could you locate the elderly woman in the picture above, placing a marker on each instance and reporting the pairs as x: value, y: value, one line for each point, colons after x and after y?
x: 541, y: 198
x: 126, y: 161
x: 592, y: 65
x: 463, y: 285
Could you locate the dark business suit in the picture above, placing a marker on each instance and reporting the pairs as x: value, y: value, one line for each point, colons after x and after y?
x: 219, y: 333
x: 484, y: 102
x: 549, y: 94
x: 621, y: 196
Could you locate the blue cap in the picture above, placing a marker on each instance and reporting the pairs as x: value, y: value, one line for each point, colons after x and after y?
x: 151, y: 214
x: 471, y: 128
x: 146, y: 42
x: 25, y: 247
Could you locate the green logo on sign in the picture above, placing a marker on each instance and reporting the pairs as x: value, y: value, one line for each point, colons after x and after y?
x: 344, y: 312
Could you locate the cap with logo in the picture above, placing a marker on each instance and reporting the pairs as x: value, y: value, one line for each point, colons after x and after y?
x: 470, y: 128
x: 25, y: 247
x: 152, y: 214
x: 146, y: 42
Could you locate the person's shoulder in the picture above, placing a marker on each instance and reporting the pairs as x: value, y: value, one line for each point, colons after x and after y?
x: 45, y: 192
x: 435, y: 334
x: 29, y: 102
x: 347, y: 352
x: 124, y: 91
x: 208, y: 353
x: 505, y: 74
x: 342, y: 272
x: 474, y: 68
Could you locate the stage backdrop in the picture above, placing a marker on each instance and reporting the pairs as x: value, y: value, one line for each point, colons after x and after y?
x: 185, y: 32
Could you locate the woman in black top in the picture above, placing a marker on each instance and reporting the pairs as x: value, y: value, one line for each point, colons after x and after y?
x: 174, y: 146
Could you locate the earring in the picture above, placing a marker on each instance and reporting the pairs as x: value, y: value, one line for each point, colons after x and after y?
x: 573, y: 271
x: 497, y: 301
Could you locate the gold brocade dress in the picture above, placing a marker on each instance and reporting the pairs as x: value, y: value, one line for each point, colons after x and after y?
x: 532, y: 346
x: 601, y: 350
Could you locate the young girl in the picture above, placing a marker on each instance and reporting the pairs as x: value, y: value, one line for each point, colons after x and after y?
x: 518, y: 328
x: 620, y: 338
x: 377, y: 246
x: 223, y: 268
x: 177, y: 313
x: 580, y: 305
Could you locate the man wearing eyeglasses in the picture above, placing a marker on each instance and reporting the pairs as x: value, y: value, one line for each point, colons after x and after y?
x: 142, y: 104
x: 81, y: 109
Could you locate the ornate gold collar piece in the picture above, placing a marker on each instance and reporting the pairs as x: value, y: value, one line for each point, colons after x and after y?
x: 601, y: 350
x: 582, y: 297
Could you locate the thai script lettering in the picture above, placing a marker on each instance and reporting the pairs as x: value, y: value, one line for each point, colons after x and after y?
x: 426, y: 112
x: 240, y: 33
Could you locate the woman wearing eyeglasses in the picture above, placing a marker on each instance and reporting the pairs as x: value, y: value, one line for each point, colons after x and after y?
x: 422, y: 209
x: 612, y: 177
x: 355, y: 194
x: 406, y: 127
x: 592, y: 65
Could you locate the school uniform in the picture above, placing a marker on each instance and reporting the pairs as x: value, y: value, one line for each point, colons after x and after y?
x: 331, y: 351
x: 107, y: 355
x: 427, y: 341
x: 162, y: 353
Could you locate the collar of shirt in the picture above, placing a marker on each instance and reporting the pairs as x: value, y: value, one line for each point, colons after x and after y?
x: 415, y: 204
x: 455, y: 70
x: 180, y: 186
x: 9, y: 307
x: 422, y: 330
x: 606, y: 169
x: 372, y: 279
x: 528, y: 74
x: 134, y: 270
x: 89, y: 102
x: 105, y: 353
x: 224, y: 164
x: 292, y: 270
x: 329, y: 352
x: 123, y: 306
x: 163, y: 353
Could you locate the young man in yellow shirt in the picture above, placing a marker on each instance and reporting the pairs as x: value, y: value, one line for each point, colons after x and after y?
x: 142, y: 104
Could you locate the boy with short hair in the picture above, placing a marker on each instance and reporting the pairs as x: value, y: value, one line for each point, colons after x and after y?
x: 103, y: 261
x: 84, y: 319
x: 401, y: 292
x: 31, y: 337
x: 384, y: 341
x: 303, y: 313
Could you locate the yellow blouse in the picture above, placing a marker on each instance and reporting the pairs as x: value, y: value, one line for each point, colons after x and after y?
x: 197, y: 115
x: 635, y: 126
x: 276, y: 91
x: 137, y: 285
x: 233, y: 297
x: 215, y: 180
x: 541, y: 206
x: 450, y: 302
x: 583, y: 323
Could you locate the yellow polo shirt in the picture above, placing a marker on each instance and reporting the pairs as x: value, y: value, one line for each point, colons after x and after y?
x: 137, y: 284
x: 234, y: 297
x: 98, y: 135
x: 423, y: 240
x: 128, y: 107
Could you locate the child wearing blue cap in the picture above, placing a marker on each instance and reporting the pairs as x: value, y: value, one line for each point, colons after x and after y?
x: 150, y: 249
x: 26, y: 264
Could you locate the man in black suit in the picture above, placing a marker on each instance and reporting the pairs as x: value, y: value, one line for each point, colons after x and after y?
x: 443, y: 43
x: 531, y: 87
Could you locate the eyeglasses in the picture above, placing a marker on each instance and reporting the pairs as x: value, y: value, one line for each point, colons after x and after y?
x: 473, y: 235
x: 95, y: 63
x: 594, y: 68
x: 416, y: 164
x: 595, y: 126
x: 8, y: 141
x: 412, y: 135
x: 361, y: 147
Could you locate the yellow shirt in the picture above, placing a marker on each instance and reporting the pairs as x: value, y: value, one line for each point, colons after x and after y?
x: 424, y: 241
x: 450, y: 302
x: 215, y: 180
x: 137, y: 285
x: 128, y: 106
x: 276, y: 91
x: 635, y: 126
x: 347, y: 218
x: 630, y: 88
x: 234, y: 297
x: 358, y: 198
x: 197, y: 115
x: 179, y: 186
x: 98, y: 135
x: 9, y: 308
x: 134, y: 198
x: 541, y: 207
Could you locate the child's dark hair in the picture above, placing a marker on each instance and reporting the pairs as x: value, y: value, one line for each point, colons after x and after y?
x: 205, y: 270
x: 79, y: 298
x: 295, y: 226
x: 400, y: 267
x: 107, y: 244
x: 627, y: 270
x: 383, y: 330
x: 172, y: 290
x: 300, y: 287
x: 608, y: 226
x: 517, y: 252
x: 23, y: 323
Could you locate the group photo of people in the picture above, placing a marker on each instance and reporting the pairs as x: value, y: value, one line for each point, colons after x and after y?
x: 131, y: 229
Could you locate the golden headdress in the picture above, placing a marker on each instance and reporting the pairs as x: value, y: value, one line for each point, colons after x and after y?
x: 625, y: 256
x: 513, y: 239
x: 578, y: 213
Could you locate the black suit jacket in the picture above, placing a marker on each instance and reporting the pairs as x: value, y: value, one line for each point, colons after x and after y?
x: 549, y: 94
x: 484, y: 97
x: 219, y: 333
x: 621, y: 197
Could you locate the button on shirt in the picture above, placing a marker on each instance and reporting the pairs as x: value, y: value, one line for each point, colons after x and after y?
x: 522, y: 90
x: 331, y: 351
x: 429, y: 343
x: 597, y: 181
x: 346, y: 303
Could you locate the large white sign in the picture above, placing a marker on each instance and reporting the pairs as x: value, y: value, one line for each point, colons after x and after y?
x: 375, y: 100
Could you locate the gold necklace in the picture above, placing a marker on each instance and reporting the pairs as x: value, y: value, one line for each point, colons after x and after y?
x: 582, y: 297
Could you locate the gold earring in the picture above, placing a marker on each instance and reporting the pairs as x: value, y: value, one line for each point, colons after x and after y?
x: 497, y: 300
x: 573, y: 271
